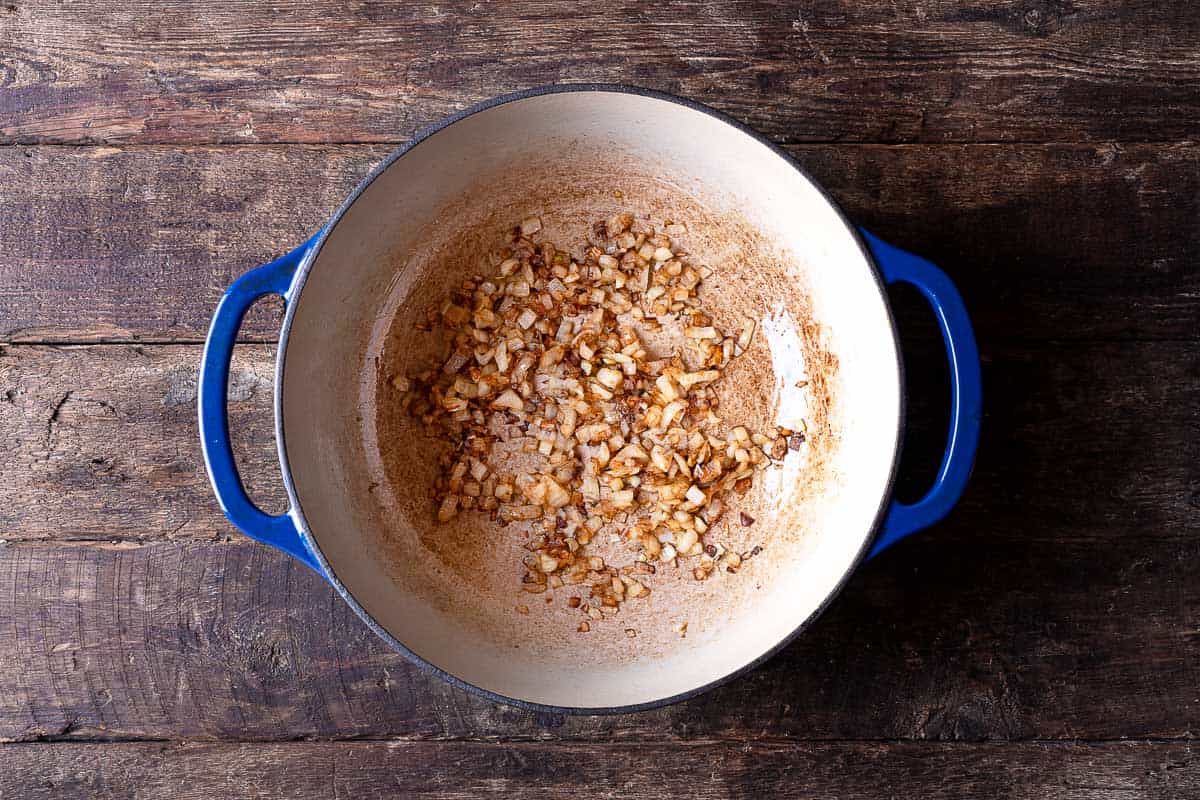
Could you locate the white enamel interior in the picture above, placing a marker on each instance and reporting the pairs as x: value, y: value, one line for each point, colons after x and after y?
x: 332, y: 342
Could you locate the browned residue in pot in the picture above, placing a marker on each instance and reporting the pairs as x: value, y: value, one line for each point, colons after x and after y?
x: 470, y: 567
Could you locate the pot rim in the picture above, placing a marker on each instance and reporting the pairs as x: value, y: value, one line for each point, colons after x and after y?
x: 301, y: 278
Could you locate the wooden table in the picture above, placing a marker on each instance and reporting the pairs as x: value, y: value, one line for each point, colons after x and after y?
x: 1044, y: 642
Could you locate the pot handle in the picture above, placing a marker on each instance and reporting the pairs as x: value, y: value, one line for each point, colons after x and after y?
x: 966, y: 391
x: 282, y: 531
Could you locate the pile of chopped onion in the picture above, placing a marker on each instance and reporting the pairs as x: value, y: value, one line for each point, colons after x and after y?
x: 546, y: 367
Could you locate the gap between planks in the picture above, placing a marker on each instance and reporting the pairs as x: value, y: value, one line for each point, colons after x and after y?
x: 785, y: 142
x: 622, y: 742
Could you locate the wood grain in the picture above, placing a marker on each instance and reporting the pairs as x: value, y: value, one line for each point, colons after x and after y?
x: 101, y: 442
x: 953, y: 636
x: 147, y: 771
x: 101, y: 243
x: 1059, y: 241
x: 1091, y: 440
x: 910, y: 71
x: 1040, y: 150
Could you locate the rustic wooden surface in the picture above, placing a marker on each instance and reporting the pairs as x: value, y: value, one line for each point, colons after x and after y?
x: 702, y: 770
x: 1044, y: 642
x: 815, y: 70
x: 114, y: 244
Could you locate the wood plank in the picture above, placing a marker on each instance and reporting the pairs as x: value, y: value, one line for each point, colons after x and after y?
x: 139, y: 244
x: 951, y: 636
x: 1069, y: 241
x: 1117, y: 771
x: 1059, y: 242
x: 100, y: 441
x: 912, y: 71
